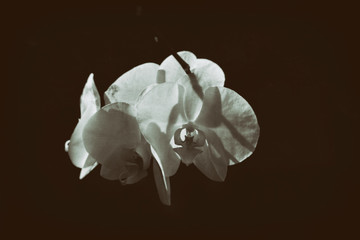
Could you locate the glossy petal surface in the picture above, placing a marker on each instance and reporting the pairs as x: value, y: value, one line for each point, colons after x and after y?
x: 128, y: 87
x: 231, y: 118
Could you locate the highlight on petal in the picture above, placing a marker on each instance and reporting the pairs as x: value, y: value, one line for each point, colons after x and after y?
x: 162, y: 182
x: 89, y: 105
x: 111, y: 135
x: 128, y: 86
x: 172, y: 68
x: 232, y: 119
x: 87, y: 168
x: 209, y: 73
x: 67, y: 145
x: 160, y: 113
x: 90, y: 98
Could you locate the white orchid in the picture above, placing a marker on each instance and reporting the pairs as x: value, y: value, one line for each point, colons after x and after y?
x: 185, y: 116
x: 194, y: 119
x: 110, y: 135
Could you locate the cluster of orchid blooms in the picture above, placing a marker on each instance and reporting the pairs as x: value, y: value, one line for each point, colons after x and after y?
x: 169, y: 112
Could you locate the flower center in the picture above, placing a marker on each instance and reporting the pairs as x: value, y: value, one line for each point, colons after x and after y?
x: 187, y: 135
x: 191, y: 140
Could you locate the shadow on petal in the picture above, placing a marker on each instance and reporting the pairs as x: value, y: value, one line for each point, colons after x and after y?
x: 211, y: 111
x: 233, y: 121
x: 162, y: 184
x: 161, y: 145
x: 214, y: 160
x: 111, y: 133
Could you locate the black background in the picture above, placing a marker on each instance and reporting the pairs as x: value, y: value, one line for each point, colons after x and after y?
x: 293, y: 63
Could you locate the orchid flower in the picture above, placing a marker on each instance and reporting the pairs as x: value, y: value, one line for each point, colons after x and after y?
x: 193, y: 118
x: 175, y: 115
x: 110, y: 136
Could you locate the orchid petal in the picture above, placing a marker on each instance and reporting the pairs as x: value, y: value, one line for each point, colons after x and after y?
x: 213, y: 161
x: 89, y: 105
x: 160, y: 113
x: 143, y: 149
x: 210, y: 73
x: 128, y: 87
x: 162, y: 182
x: 187, y: 154
x: 127, y: 174
x: 135, y: 175
x: 90, y: 98
x: 109, y: 173
x: 232, y: 119
x: 205, y: 74
x: 111, y: 135
x: 89, y: 165
x: 77, y: 151
x: 173, y: 70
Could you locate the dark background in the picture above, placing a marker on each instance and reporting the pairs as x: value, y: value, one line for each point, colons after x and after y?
x: 293, y: 63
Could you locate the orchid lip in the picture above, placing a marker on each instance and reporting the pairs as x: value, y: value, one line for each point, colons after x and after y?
x: 191, y: 141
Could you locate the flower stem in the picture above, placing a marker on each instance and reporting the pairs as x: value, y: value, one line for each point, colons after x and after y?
x: 181, y: 61
x: 184, y: 65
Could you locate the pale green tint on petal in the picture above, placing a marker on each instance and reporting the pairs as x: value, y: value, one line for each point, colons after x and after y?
x: 173, y: 69
x: 89, y: 105
x: 213, y: 161
x: 90, y: 98
x: 162, y: 182
x: 128, y: 87
x: 160, y: 113
x: 111, y: 135
x: 232, y: 119
x: 205, y: 74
